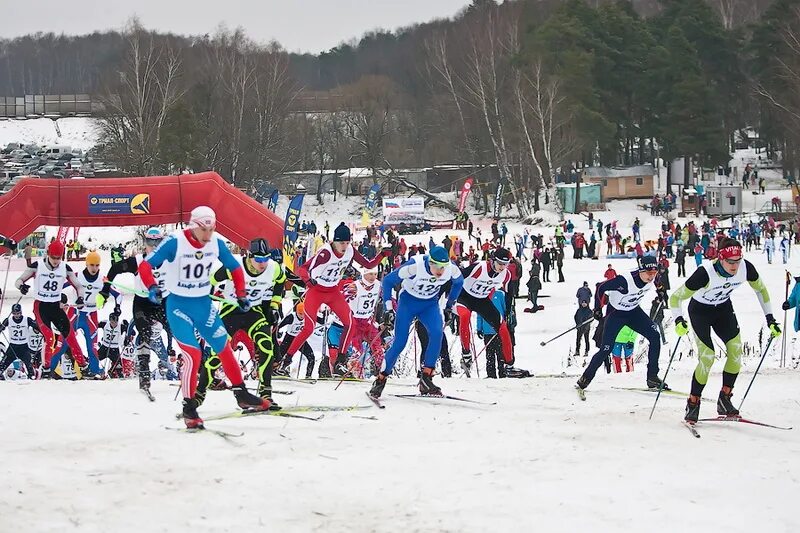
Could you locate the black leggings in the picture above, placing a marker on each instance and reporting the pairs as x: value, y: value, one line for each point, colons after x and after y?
x: 145, y: 314
x: 638, y: 321
x: 17, y: 351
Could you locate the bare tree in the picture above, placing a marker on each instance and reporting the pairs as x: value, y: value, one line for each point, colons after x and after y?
x: 485, y: 79
x: 369, y: 119
x: 138, y: 105
x: 784, y: 96
x: 275, y: 92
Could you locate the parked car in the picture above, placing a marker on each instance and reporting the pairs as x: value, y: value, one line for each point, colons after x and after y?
x: 56, y: 150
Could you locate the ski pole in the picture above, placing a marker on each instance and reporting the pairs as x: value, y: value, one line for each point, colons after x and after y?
x: 5, y: 284
x: 661, y: 385
x: 573, y: 328
x: 144, y: 294
x: 769, y: 343
x: 785, y: 315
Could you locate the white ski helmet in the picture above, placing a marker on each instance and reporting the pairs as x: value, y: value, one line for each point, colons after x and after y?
x: 203, y: 216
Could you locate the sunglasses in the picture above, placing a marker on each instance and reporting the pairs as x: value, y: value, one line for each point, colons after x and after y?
x: 733, y: 261
x: 93, y: 264
x: 260, y: 258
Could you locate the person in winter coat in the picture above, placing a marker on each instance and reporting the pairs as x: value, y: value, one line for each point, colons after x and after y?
x: 680, y: 260
x: 698, y: 254
x: 584, y: 293
x: 786, y: 247
x: 495, y: 364
x: 583, y: 321
x: 534, y: 286
x: 610, y: 273
x: 547, y: 261
x: 560, y: 264
x: 769, y: 248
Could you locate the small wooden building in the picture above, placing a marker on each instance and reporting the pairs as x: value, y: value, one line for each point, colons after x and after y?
x: 622, y: 182
x: 723, y: 200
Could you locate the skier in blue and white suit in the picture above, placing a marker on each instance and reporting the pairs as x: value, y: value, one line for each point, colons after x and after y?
x: 188, y: 257
x: 420, y: 280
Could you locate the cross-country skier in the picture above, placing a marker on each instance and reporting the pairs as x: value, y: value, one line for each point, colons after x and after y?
x: 365, y: 295
x: 145, y: 312
x: 19, y: 334
x: 625, y: 292
x: 50, y: 274
x: 709, y: 290
x: 85, y: 319
x: 187, y: 258
x: 480, y: 281
x: 109, y: 339
x: 292, y: 324
x: 420, y: 280
x: 264, y: 285
x: 322, y: 274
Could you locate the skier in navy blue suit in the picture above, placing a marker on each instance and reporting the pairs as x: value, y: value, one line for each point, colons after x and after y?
x: 625, y: 292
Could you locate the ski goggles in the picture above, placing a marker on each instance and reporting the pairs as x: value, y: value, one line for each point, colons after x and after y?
x: 153, y: 242
x: 260, y: 258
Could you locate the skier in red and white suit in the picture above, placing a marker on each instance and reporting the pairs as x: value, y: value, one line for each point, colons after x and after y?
x: 480, y: 281
x: 322, y: 274
x: 363, y: 296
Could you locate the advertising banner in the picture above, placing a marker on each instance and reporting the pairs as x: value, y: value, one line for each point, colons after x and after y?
x: 404, y: 210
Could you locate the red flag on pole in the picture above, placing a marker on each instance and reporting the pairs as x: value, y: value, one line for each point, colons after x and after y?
x: 462, y: 200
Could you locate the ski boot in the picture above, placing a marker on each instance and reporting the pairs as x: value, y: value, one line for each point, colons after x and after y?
x: 466, y: 363
x: 281, y: 369
x: 266, y: 394
x: 86, y: 373
x: 692, y: 409
x: 582, y: 383
x: 724, y: 404
x: 248, y: 401
x: 426, y: 385
x: 377, y: 386
x: 447, y: 366
x: 144, y: 381
x: 190, y: 416
x: 324, y: 367
x: 654, y: 383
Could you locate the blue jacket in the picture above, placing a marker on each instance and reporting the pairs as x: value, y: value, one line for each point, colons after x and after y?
x: 499, y: 301
x: 794, y: 302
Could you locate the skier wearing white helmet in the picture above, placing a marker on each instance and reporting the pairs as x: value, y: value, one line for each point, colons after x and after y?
x: 187, y: 257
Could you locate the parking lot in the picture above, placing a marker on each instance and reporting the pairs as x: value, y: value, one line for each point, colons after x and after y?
x: 18, y: 161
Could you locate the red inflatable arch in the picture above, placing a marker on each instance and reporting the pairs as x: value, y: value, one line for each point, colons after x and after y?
x: 135, y: 202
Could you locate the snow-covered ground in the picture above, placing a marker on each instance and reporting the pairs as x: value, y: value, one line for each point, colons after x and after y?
x: 93, y: 456
x: 76, y: 132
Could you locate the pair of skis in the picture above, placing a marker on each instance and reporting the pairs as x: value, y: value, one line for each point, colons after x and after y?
x: 379, y: 403
x: 693, y: 429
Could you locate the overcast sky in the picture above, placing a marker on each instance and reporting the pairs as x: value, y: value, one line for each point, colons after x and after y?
x: 299, y: 25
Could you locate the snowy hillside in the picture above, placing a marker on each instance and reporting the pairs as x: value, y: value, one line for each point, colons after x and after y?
x: 76, y: 132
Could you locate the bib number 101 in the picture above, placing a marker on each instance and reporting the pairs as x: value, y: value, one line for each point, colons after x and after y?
x: 197, y: 271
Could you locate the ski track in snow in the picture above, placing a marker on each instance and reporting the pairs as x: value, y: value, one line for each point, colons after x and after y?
x: 98, y: 456
x: 94, y: 456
